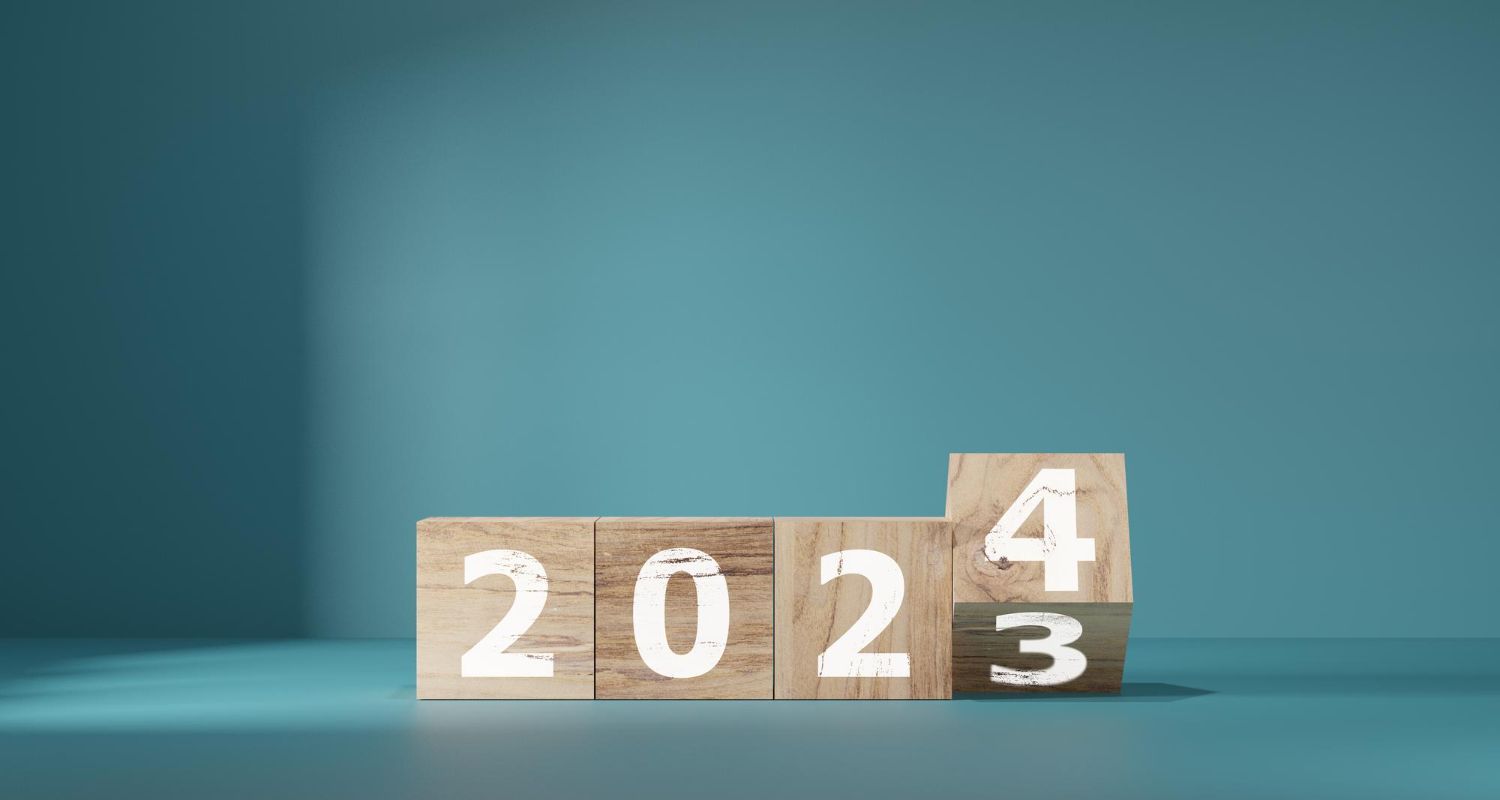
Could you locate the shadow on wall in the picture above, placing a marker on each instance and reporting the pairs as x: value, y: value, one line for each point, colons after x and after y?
x: 155, y: 307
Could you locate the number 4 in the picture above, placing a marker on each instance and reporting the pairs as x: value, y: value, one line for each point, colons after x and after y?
x: 1059, y: 549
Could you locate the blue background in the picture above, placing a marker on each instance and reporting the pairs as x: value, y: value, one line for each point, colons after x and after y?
x: 282, y: 278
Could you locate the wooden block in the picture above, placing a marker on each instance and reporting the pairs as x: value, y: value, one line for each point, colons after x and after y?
x: 684, y: 608
x: 505, y: 608
x: 1044, y: 535
x: 863, y: 608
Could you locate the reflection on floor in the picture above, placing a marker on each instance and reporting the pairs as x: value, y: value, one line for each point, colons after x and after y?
x: 1198, y: 718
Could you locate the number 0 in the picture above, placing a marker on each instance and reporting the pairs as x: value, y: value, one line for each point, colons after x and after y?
x: 651, y: 613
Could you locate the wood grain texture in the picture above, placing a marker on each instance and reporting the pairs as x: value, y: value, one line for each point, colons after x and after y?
x: 743, y: 549
x: 981, y: 486
x: 452, y: 616
x: 811, y: 615
x: 977, y: 645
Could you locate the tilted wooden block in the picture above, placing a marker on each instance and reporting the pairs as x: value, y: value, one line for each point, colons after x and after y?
x: 1041, y: 571
x: 684, y: 608
x: 978, y: 648
x: 863, y: 608
x: 505, y: 608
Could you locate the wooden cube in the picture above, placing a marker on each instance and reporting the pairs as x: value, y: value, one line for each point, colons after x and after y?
x: 1041, y: 571
x: 505, y: 608
x: 684, y: 608
x: 863, y: 608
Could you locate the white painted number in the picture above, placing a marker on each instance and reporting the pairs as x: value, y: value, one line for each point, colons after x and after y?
x: 842, y: 659
x: 1062, y: 630
x: 651, y: 612
x: 488, y: 658
x: 1059, y: 549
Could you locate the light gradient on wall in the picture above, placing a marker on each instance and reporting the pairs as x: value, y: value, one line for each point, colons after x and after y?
x: 674, y: 259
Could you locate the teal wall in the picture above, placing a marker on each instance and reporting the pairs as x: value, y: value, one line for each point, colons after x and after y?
x: 285, y: 279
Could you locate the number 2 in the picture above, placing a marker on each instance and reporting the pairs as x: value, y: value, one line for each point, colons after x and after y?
x: 650, y: 613
x: 488, y: 658
x: 1059, y: 549
x: 842, y: 659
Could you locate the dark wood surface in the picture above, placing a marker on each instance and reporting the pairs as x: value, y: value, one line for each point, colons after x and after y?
x: 743, y: 549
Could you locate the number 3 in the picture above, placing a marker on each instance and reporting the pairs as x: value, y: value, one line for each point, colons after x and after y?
x: 1062, y: 630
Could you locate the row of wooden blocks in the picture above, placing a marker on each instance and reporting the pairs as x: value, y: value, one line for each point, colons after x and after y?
x: 1023, y: 586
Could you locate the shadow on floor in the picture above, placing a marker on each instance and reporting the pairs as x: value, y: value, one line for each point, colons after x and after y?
x: 1129, y: 693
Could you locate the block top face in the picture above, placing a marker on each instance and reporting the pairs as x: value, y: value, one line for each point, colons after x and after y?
x: 682, y: 523
x: 435, y: 524
x: 855, y: 520
x: 1039, y: 527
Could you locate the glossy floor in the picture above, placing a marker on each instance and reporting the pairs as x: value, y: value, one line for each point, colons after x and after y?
x: 1198, y: 719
